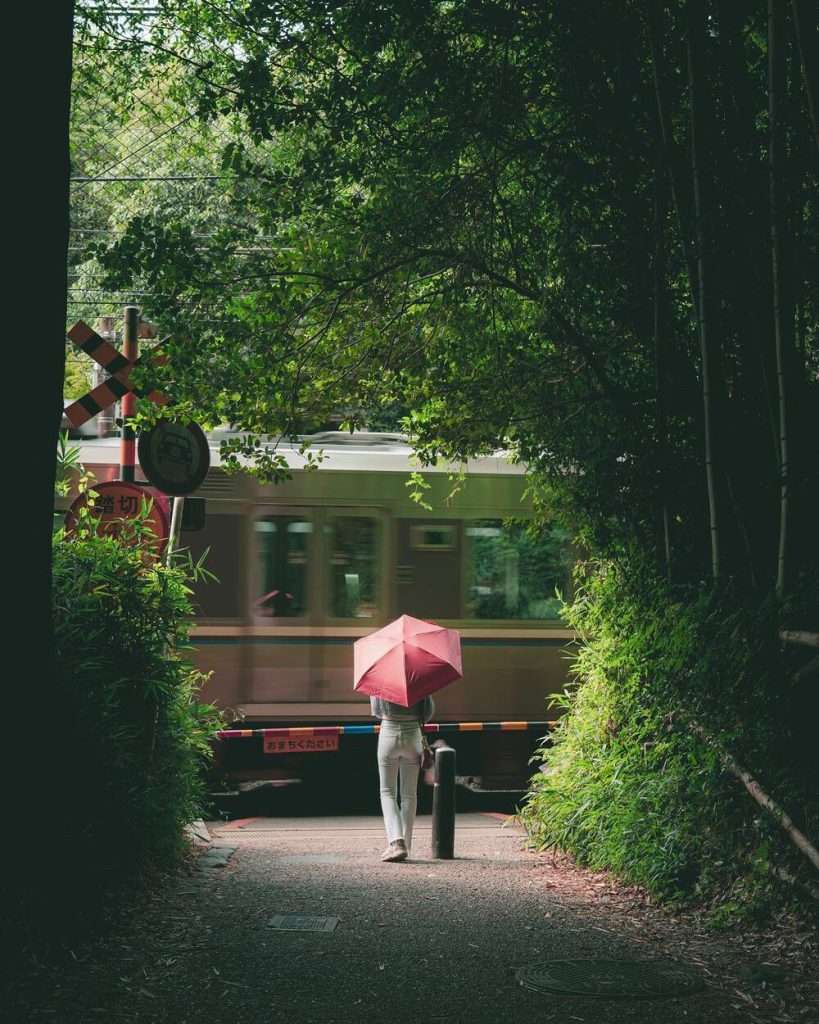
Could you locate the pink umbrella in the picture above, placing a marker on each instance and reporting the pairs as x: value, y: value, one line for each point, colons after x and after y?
x: 407, y: 660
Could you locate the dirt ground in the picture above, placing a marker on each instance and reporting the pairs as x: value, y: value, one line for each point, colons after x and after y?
x: 440, y: 941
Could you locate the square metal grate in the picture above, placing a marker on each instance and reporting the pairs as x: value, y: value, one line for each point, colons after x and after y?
x: 302, y: 923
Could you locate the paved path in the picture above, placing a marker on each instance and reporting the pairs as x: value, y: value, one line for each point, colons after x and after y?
x: 432, y: 941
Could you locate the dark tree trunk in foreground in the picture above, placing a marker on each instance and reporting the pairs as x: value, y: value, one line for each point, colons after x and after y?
x: 38, y: 287
x: 34, y: 315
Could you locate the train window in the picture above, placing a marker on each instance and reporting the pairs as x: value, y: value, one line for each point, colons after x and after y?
x: 514, y: 574
x: 432, y: 537
x: 282, y: 544
x: 353, y: 548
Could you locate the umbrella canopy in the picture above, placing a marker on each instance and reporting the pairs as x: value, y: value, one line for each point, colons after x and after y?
x: 407, y: 660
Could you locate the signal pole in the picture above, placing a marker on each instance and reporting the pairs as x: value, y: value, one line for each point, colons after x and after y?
x: 105, y: 418
x: 127, y: 444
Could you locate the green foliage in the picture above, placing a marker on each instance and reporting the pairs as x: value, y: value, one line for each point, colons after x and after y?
x: 465, y: 215
x: 417, y: 485
x: 127, y: 699
x: 461, y: 214
x: 77, y: 378
x: 68, y: 467
x: 625, y: 785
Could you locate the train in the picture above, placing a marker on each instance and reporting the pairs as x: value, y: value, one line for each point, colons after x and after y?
x: 308, y: 565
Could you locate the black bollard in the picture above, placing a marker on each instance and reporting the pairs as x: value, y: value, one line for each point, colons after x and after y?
x: 443, y: 804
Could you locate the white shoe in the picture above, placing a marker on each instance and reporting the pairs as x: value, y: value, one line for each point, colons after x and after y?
x: 397, y: 850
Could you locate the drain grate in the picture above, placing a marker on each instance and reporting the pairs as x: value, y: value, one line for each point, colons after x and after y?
x: 613, y: 979
x: 312, y: 858
x: 302, y: 923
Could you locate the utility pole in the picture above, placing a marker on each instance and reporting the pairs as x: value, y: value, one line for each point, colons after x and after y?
x: 105, y: 418
x: 127, y: 444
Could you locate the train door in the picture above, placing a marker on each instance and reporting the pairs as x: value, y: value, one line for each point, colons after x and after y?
x: 429, y: 568
x: 356, y: 600
x: 285, y: 604
x: 221, y: 611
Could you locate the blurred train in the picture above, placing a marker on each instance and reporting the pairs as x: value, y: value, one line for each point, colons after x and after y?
x: 306, y: 566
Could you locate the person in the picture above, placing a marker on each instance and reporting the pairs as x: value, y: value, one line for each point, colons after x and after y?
x: 399, y: 761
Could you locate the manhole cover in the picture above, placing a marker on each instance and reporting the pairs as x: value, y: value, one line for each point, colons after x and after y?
x: 302, y: 923
x: 611, y: 978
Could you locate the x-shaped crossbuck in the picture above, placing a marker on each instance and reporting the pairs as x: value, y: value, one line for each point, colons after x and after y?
x: 117, y: 385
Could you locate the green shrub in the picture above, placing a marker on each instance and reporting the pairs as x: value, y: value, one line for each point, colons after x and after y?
x: 624, y: 784
x: 118, y: 741
x: 128, y: 697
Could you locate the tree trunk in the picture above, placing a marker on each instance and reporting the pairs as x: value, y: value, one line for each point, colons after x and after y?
x: 776, y: 72
x: 703, y: 211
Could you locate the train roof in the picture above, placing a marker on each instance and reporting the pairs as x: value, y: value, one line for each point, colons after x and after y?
x: 361, y: 451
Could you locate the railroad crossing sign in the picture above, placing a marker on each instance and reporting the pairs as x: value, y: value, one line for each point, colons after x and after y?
x: 118, y: 502
x: 117, y: 385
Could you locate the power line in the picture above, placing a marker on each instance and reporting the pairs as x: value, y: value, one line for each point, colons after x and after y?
x: 157, y: 177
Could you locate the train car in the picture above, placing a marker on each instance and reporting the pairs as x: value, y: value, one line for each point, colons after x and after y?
x: 306, y: 566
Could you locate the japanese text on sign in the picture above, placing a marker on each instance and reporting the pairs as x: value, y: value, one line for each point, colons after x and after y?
x: 299, y: 744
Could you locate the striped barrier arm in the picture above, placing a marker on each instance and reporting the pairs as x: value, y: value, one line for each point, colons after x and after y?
x: 306, y: 732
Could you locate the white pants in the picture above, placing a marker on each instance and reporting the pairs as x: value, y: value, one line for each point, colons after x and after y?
x: 399, y: 761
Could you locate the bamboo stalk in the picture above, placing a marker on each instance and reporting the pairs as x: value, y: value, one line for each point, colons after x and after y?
x: 807, y: 39
x: 695, y: 47
x: 800, y: 637
x: 776, y: 69
x: 679, y: 195
x: 799, y: 839
x: 658, y: 274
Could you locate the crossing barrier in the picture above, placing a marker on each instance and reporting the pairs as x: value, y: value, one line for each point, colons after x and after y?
x: 306, y: 731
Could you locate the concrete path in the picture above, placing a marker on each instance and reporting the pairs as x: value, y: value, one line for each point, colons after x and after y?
x: 432, y: 941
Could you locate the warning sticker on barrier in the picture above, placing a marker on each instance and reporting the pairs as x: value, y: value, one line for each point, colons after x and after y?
x: 299, y: 744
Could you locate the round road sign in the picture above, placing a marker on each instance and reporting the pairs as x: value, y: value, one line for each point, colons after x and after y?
x: 174, y: 456
x: 116, y: 503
